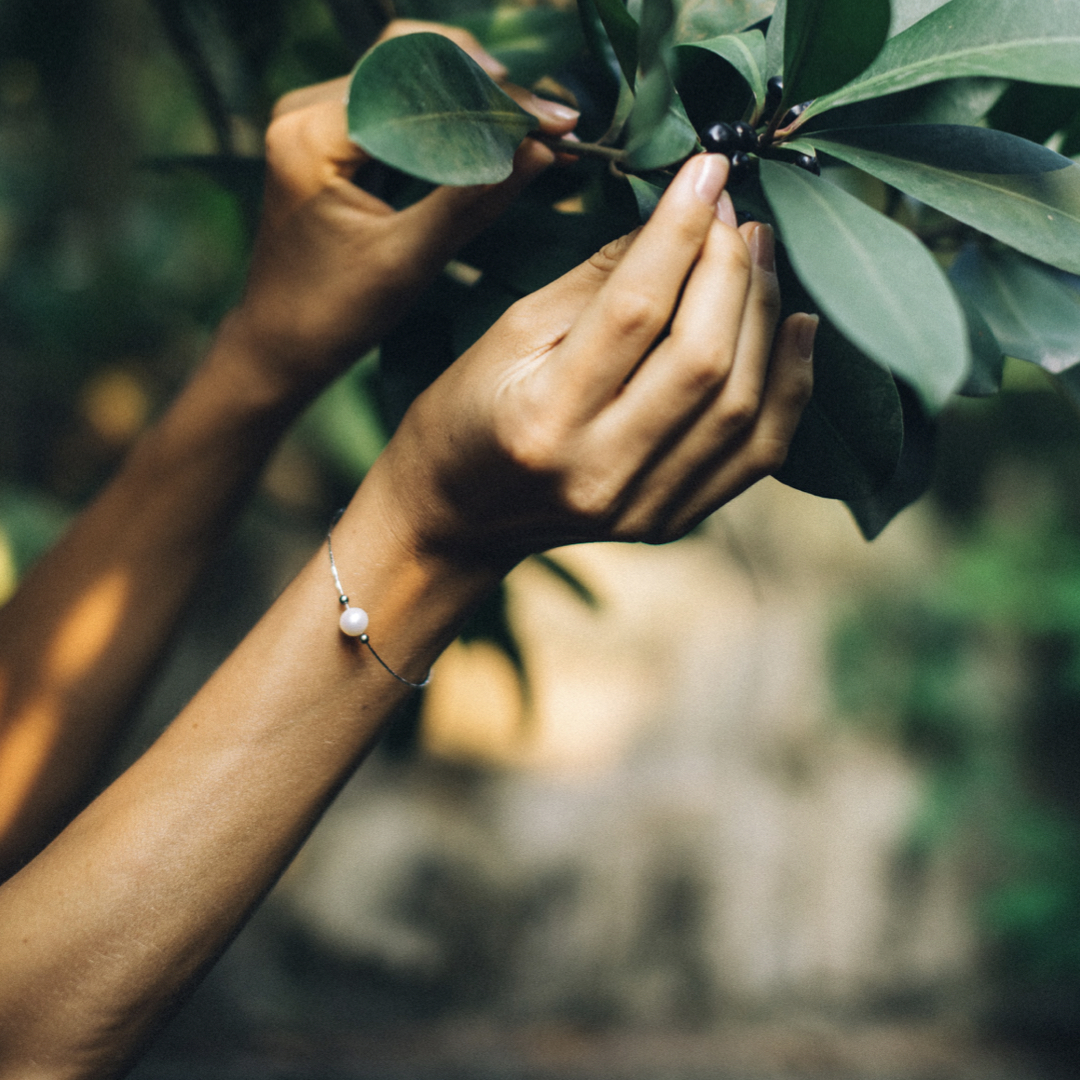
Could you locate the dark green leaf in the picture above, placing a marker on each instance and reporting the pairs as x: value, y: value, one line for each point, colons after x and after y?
x: 827, y: 43
x: 913, y: 475
x: 421, y: 104
x: 697, y: 20
x: 774, y: 41
x: 744, y: 52
x: 1033, y: 40
x: 1032, y: 314
x: 622, y: 32
x: 987, y: 359
x: 1020, y: 193
x: 872, y: 278
x: 907, y: 12
x: 596, y: 37
x: 848, y: 441
x: 660, y: 132
x: 1036, y: 112
x: 647, y: 195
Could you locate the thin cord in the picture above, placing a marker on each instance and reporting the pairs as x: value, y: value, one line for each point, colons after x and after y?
x: 343, y: 599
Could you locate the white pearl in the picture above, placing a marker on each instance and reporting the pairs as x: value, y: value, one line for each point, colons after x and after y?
x: 353, y: 621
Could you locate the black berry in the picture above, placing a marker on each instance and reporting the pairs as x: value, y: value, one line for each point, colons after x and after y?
x: 793, y: 114
x: 746, y: 137
x: 740, y: 168
x: 720, y: 139
x: 809, y: 163
x: 774, y: 91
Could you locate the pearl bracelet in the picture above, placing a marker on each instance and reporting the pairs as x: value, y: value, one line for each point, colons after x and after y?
x: 354, y: 620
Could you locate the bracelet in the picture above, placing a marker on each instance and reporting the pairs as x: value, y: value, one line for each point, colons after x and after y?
x: 354, y: 620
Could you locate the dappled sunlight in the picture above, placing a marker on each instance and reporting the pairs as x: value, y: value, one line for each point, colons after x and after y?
x: 25, y: 747
x: 29, y: 739
x: 88, y: 629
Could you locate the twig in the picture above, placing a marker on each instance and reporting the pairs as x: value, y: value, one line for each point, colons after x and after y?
x: 584, y: 149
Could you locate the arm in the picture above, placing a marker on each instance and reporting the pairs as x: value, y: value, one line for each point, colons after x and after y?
x: 333, y: 269
x: 563, y: 423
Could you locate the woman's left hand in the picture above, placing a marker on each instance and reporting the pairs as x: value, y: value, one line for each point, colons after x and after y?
x: 334, y: 267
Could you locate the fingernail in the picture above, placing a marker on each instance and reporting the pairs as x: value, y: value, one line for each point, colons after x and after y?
x: 712, y: 174
x: 557, y: 111
x: 725, y: 211
x: 804, y: 338
x: 763, y: 248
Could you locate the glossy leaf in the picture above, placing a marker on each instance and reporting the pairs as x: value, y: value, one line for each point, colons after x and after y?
x: 697, y: 20
x: 1012, y: 189
x: 420, y: 104
x: 774, y: 41
x: 622, y: 32
x: 848, y: 441
x: 907, y: 12
x: 744, y: 52
x: 659, y: 131
x: 872, y: 278
x: 646, y: 194
x: 914, y: 471
x: 1032, y: 40
x: 1033, y: 315
x: 987, y: 359
x: 598, y: 42
x: 827, y: 43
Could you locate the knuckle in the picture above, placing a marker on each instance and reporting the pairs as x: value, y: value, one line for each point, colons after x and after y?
x: 631, y: 313
x: 768, y: 455
x: 741, y: 410
x: 609, y: 256
x: 734, y: 257
x: 589, y: 499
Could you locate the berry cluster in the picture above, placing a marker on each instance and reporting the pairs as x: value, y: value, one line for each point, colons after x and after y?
x: 739, y: 140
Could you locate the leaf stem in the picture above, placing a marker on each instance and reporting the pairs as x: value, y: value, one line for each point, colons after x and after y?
x: 584, y: 149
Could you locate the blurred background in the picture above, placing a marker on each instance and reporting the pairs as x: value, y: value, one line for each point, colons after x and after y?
x: 770, y: 802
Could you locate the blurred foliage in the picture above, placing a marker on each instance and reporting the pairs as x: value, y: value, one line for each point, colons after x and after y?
x: 977, y: 674
x: 129, y: 178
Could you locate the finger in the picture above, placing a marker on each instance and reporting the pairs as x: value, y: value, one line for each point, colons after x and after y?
x: 308, y: 149
x: 615, y: 332
x: 764, y: 448
x: 555, y: 117
x: 709, y: 340
x: 335, y: 90
x: 541, y: 320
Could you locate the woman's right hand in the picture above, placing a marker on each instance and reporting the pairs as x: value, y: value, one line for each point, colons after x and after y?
x: 577, y: 418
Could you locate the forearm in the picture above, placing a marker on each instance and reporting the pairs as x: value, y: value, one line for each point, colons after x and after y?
x: 204, y: 822
x: 79, y: 638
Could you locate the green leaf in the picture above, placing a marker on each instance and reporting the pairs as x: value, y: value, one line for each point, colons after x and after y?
x: 987, y: 359
x: 1033, y: 40
x: 697, y: 20
x: 774, y: 41
x: 1020, y: 193
x: 622, y: 32
x: 827, y: 43
x: 658, y: 138
x: 420, y: 104
x: 872, y: 278
x: 913, y: 475
x: 598, y: 42
x: 744, y: 52
x: 848, y: 441
x: 1033, y: 315
x: 907, y: 12
x: 647, y: 195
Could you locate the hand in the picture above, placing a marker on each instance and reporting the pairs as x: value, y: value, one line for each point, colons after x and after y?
x: 577, y: 418
x: 334, y: 268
